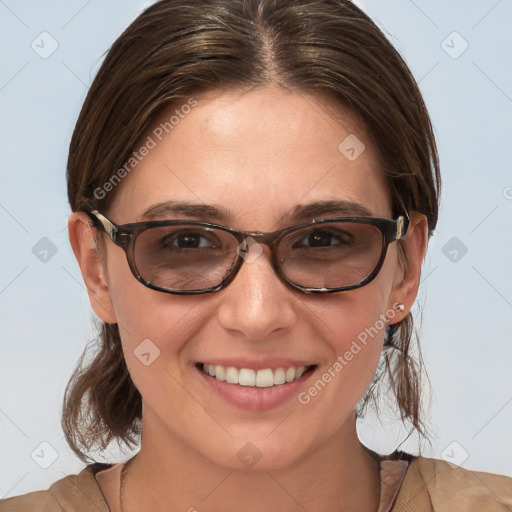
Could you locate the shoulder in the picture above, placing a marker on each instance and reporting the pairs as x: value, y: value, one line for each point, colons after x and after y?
x: 74, y: 493
x: 435, y: 485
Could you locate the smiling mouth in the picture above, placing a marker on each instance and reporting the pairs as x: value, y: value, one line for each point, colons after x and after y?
x: 265, y: 378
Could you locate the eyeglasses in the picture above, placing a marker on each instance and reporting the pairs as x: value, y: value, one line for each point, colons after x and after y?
x: 186, y: 257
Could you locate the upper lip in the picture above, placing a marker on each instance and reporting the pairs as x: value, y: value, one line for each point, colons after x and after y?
x: 257, y: 364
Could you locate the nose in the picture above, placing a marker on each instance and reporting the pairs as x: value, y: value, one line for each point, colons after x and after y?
x: 257, y: 304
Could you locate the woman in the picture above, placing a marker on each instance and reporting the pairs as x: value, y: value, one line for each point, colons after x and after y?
x: 253, y: 184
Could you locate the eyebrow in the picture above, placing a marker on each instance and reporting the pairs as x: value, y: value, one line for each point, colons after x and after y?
x: 303, y: 213
x: 299, y: 213
x: 214, y: 212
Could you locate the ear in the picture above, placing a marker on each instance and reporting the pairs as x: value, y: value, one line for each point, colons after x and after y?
x: 413, y: 246
x: 83, y: 241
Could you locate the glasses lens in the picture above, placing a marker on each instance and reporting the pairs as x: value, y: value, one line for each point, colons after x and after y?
x: 331, y: 255
x: 184, y: 257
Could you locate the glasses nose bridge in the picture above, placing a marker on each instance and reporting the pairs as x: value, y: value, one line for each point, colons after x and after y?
x: 271, y: 240
x: 268, y: 239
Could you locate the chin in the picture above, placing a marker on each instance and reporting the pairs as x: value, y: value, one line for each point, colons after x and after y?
x: 253, y: 453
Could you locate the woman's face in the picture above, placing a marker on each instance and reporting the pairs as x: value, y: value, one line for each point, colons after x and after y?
x: 259, y: 157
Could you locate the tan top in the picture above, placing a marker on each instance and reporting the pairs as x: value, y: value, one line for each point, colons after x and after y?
x: 430, y: 485
x: 392, y: 473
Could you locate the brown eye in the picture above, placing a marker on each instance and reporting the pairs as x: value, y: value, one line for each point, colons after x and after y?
x: 324, y: 238
x: 187, y: 240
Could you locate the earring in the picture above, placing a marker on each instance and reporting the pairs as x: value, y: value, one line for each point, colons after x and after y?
x: 399, y: 307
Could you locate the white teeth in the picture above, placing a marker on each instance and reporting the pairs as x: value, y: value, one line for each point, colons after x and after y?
x: 231, y: 375
x: 290, y: 374
x: 279, y: 376
x: 220, y: 373
x: 246, y: 377
x: 265, y: 378
x: 254, y: 378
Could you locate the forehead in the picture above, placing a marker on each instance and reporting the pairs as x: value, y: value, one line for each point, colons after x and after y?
x: 257, y: 154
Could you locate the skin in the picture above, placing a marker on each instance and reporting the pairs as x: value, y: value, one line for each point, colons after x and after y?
x: 258, y: 154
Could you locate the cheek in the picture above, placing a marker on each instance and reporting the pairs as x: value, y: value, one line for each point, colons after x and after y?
x: 153, y: 318
x: 359, y: 317
x: 155, y: 327
x: 354, y: 325
x: 158, y: 333
x: 357, y: 335
x: 140, y: 311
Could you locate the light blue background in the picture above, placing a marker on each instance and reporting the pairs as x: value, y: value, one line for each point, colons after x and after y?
x: 467, y: 305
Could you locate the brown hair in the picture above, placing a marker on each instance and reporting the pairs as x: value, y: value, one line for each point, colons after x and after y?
x: 175, y: 49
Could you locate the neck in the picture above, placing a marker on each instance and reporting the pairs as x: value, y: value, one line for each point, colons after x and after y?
x: 340, y: 475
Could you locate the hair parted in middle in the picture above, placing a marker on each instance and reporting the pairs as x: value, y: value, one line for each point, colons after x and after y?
x: 175, y: 50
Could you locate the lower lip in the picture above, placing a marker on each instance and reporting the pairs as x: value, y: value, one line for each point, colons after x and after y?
x: 254, y: 398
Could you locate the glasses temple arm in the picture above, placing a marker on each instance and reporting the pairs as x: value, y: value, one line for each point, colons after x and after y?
x: 101, y: 221
x: 402, y: 225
